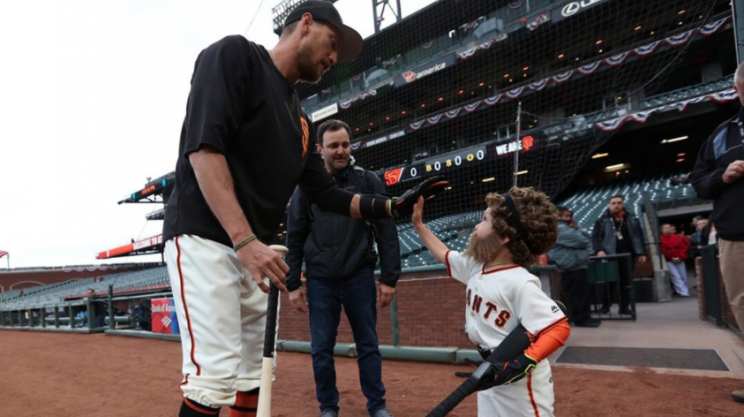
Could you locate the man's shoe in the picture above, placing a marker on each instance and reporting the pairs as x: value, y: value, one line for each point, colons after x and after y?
x: 383, y: 412
x: 738, y: 395
x: 604, y: 310
x: 625, y: 311
x: 589, y: 323
x: 328, y: 413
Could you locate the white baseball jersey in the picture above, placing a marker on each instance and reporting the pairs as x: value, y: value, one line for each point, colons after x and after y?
x: 497, y: 301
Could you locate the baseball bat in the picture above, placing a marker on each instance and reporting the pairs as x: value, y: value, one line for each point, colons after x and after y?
x: 267, y: 367
x: 512, y: 346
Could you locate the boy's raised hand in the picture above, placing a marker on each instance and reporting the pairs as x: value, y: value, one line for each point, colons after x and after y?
x: 418, y: 211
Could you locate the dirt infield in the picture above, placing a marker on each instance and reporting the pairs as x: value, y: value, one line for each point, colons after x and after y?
x: 54, y: 374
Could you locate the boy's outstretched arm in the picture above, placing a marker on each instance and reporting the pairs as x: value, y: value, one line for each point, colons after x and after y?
x: 437, y: 248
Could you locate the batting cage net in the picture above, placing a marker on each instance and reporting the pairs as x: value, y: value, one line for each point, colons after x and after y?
x: 492, y: 94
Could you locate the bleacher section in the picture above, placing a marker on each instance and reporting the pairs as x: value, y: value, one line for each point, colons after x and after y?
x: 454, y: 230
x: 587, y: 205
x: 48, y: 295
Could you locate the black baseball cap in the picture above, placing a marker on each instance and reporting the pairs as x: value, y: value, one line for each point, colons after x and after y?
x: 326, y: 13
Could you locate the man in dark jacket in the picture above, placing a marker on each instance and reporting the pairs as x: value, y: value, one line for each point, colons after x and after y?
x: 340, y: 260
x: 718, y: 176
x: 618, y: 231
x: 570, y: 254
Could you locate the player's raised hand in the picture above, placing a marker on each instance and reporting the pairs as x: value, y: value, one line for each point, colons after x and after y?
x: 403, y: 205
x: 264, y: 262
x: 418, y: 212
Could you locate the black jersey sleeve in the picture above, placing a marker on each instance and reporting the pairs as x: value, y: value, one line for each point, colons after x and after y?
x: 216, y: 102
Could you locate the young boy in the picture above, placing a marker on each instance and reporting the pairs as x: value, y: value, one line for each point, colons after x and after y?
x: 516, y: 227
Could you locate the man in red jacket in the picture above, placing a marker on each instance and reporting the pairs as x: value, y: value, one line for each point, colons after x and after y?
x: 674, y: 247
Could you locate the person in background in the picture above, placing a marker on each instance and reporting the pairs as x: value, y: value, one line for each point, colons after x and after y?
x: 619, y: 231
x: 718, y: 176
x: 340, y: 259
x: 570, y: 254
x: 99, y: 309
x: 674, y: 247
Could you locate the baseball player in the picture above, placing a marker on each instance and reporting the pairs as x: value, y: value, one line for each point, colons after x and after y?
x: 501, y: 294
x: 245, y: 145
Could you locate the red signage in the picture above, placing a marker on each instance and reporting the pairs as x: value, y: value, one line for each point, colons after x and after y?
x: 393, y: 176
x: 528, y: 142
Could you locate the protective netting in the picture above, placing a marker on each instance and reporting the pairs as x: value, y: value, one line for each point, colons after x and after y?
x: 442, y: 91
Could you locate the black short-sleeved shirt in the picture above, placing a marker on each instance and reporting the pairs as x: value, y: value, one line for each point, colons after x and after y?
x: 241, y: 105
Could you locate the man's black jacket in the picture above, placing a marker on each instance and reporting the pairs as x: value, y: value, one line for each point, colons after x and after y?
x: 723, y: 147
x: 335, y: 246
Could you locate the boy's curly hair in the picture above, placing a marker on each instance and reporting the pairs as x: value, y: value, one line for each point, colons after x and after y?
x: 538, y: 215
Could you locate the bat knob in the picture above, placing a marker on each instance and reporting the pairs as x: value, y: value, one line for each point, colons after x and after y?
x: 280, y: 249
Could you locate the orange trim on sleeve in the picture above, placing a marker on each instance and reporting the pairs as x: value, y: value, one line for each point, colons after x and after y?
x: 549, y: 340
x: 446, y: 262
x: 564, y: 318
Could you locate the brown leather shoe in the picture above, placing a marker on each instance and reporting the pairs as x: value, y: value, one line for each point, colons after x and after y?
x: 738, y: 395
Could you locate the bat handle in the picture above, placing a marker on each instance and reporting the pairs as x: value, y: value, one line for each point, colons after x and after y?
x: 466, y: 388
x: 271, y: 316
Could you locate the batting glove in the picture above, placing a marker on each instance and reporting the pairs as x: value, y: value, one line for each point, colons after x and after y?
x: 515, y: 369
x: 403, y: 205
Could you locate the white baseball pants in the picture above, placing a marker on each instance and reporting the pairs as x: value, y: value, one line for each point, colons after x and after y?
x: 532, y: 396
x: 222, y: 318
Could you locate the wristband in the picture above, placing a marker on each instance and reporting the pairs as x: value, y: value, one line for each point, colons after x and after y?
x: 373, y: 206
x: 244, y: 242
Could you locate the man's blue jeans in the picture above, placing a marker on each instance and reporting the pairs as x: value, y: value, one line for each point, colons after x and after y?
x: 358, y: 297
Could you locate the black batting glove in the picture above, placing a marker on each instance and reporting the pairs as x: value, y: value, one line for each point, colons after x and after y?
x: 515, y: 369
x: 403, y: 205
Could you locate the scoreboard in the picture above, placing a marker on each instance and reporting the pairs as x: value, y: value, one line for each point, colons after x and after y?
x: 458, y: 159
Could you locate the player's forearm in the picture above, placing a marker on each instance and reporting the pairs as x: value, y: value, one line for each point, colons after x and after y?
x: 215, y: 182
x: 369, y: 206
x: 437, y: 248
x: 549, y: 341
x: 354, y: 208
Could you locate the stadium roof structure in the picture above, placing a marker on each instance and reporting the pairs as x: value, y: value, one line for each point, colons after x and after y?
x: 557, y: 78
x: 399, y: 38
x: 681, y: 100
x: 148, y: 246
x: 495, y: 23
x: 155, y: 191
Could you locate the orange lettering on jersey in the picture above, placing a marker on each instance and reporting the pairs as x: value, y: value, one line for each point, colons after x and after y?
x: 490, y: 307
x: 477, y: 300
x: 305, y: 136
x: 501, y: 320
